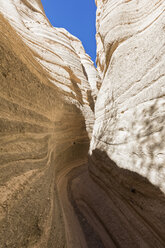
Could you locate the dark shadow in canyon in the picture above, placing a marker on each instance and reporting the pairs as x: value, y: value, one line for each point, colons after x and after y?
x: 134, y: 209
x: 92, y: 238
x: 114, y: 206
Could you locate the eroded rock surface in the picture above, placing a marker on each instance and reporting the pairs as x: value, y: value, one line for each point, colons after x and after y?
x: 129, y: 127
x: 130, y: 106
x: 82, y: 159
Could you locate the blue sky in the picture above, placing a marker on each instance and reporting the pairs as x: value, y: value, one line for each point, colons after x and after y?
x: 77, y: 16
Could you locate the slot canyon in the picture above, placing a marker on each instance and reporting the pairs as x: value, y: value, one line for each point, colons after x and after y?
x: 82, y: 149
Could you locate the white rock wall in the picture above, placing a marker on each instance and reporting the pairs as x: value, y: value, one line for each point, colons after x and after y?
x: 130, y: 108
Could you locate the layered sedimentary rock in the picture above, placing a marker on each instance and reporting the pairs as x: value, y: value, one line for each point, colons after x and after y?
x: 61, y: 54
x: 128, y: 143
x: 46, y: 119
x: 129, y: 124
x: 82, y: 152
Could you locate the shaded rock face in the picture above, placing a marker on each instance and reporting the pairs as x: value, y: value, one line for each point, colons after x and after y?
x: 82, y: 150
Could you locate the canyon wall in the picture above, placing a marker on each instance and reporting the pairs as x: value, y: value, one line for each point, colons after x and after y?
x: 127, y: 150
x: 82, y: 160
x: 47, y: 96
x: 130, y: 105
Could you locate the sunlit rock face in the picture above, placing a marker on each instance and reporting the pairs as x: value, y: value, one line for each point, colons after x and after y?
x: 127, y: 150
x: 81, y: 151
x: 130, y: 105
x: 60, y: 53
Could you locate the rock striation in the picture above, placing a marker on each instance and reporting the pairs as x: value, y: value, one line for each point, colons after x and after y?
x: 82, y: 150
x: 128, y: 142
x: 130, y: 119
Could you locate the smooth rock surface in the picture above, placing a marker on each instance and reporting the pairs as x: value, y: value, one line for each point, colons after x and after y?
x: 127, y: 150
x: 130, y: 117
x: 42, y: 136
x: 46, y: 118
x: 82, y: 160
x: 60, y: 53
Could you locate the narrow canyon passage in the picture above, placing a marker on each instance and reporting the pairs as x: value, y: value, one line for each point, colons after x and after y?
x: 41, y: 141
x: 82, y: 149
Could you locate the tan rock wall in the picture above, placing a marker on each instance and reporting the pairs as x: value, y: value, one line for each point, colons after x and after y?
x: 60, y: 53
x: 42, y: 137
